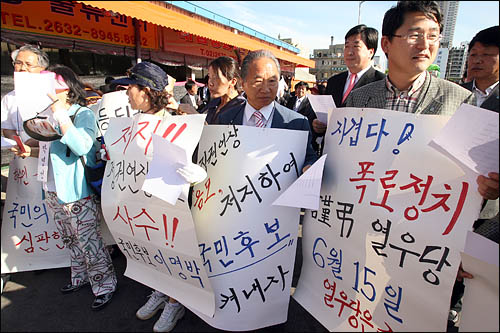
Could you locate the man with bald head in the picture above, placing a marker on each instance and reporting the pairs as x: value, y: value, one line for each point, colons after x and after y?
x: 30, y: 59
x: 260, y: 73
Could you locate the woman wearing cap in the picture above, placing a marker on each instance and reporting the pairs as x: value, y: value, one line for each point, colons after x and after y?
x: 67, y: 193
x: 146, y: 92
x: 224, y: 84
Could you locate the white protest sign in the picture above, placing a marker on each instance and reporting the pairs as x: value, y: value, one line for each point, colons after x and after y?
x: 304, y: 192
x: 112, y: 105
x: 480, y: 300
x: 30, y: 239
x: 31, y: 92
x: 162, y: 180
x: 322, y: 105
x: 158, y: 239
x: 383, y: 249
x: 247, y: 245
x: 471, y: 138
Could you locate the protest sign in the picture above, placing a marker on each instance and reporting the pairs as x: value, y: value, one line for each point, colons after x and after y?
x: 30, y: 239
x: 112, y: 105
x: 247, y: 245
x: 383, y: 249
x: 157, y: 238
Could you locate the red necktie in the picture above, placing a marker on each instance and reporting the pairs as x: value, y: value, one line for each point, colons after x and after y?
x: 349, y: 88
x: 259, y: 119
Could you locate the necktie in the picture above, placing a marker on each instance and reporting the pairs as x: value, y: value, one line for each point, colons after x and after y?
x: 349, y: 88
x: 259, y: 119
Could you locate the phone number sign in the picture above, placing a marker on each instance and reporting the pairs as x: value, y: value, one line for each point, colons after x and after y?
x: 75, y: 20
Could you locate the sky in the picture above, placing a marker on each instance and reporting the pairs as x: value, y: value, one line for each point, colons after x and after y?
x: 311, y: 23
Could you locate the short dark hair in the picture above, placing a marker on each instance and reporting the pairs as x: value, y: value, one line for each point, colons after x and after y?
x: 189, y: 85
x: 76, y: 94
x: 394, y: 17
x: 368, y: 35
x: 301, y: 84
x: 487, y: 37
x: 229, y: 68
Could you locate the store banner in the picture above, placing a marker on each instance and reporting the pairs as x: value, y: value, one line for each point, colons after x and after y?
x: 75, y: 20
x: 383, y: 249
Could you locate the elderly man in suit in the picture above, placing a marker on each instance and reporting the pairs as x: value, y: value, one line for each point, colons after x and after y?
x: 260, y: 73
x: 192, y: 98
x: 360, y: 47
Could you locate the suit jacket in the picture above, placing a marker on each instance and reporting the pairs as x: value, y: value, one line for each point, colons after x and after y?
x: 306, y: 110
x: 492, y: 102
x: 186, y: 100
x: 282, y: 118
x: 336, y: 83
x: 438, y: 96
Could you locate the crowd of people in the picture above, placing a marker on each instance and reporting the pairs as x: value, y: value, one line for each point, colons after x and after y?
x: 252, y: 93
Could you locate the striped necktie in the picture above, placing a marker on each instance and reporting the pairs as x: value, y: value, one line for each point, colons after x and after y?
x: 259, y: 119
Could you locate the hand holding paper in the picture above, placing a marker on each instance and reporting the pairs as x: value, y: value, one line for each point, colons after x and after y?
x: 192, y: 173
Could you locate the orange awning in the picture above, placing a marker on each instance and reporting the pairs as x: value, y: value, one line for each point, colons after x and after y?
x: 159, y: 15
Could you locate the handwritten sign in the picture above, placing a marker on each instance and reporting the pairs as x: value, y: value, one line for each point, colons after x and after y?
x: 157, y: 238
x: 385, y: 242
x: 30, y: 239
x: 246, y: 244
x: 112, y: 105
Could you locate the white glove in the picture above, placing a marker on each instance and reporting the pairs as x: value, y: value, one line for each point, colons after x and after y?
x: 192, y: 173
x: 61, y: 115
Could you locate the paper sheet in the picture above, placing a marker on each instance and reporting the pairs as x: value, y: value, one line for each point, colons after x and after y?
x: 31, y: 92
x: 322, y: 104
x: 480, y: 301
x: 304, y: 192
x: 8, y: 143
x: 470, y: 137
x: 162, y: 179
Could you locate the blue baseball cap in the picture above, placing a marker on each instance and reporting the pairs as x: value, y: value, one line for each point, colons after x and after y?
x: 145, y: 74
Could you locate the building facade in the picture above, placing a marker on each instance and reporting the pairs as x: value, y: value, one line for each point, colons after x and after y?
x: 442, y: 61
x: 328, y: 61
x: 457, y: 60
x: 449, y: 9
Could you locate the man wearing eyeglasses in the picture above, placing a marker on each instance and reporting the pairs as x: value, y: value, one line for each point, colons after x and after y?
x: 410, y: 40
x: 31, y: 59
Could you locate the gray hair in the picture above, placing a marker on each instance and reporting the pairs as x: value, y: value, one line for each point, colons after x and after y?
x: 254, y: 55
x: 43, y: 58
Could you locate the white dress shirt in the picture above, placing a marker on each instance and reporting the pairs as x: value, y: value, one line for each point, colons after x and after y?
x: 298, y: 102
x: 267, y: 111
x: 482, y: 96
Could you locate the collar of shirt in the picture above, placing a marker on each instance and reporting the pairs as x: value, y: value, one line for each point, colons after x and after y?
x: 488, y: 90
x: 266, y: 112
x: 359, y: 74
x: 416, y: 85
x: 299, y: 100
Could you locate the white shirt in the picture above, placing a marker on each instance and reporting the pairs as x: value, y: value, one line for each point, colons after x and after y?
x: 359, y: 75
x: 482, y: 96
x: 298, y: 102
x: 267, y: 112
x: 11, y: 118
x: 193, y: 99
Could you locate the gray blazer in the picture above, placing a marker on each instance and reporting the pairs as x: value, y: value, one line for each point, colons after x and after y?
x: 438, y: 96
x: 282, y: 118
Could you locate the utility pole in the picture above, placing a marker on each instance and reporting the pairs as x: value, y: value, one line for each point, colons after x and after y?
x: 359, y: 11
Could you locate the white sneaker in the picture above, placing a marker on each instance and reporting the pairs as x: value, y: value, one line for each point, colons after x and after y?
x: 169, y: 317
x: 155, y: 302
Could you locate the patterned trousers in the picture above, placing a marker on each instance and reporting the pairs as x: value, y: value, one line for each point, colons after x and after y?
x: 78, y: 225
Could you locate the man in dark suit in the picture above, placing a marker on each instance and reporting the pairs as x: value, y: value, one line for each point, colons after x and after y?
x: 483, y: 67
x: 260, y: 73
x: 360, y: 47
x: 300, y: 103
x: 191, y: 97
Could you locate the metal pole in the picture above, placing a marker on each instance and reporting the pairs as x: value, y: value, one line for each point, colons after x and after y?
x: 359, y: 11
